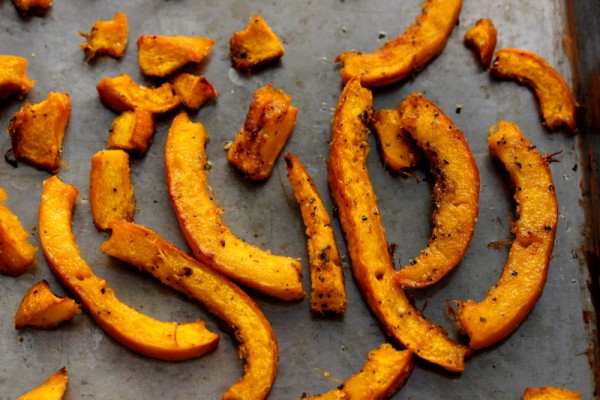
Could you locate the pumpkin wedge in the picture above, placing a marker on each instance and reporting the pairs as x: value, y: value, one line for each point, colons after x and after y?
x: 42, y: 309
x: 13, y: 77
x: 511, y: 299
x: 455, y: 193
x: 482, y: 38
x: 384, y: 373
x: 327, y: 288
x: 550, y: 393
x: 354, y: 195
x: 16, y: 253
x: 398, y: 150
x: 160, y: 55
x: 53, y: 388
x: 149, y: 252
x: 106, y: 37
x: 401, y: 57
x: 136, y: 331
x: 211, y: 241
x: 557, y: 104
x: 122, y: 93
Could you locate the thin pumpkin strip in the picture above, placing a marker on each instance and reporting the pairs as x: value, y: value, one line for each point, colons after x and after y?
x: 211, y: 241
x: 136, y: 331
x: 327, y: 288
x: 52, y: 388
x: 557, y: 105
x: 455, y: 193
x: 511, y: 299
x: 143, y: 248
x: 401, y: 57
x: 353, y: 193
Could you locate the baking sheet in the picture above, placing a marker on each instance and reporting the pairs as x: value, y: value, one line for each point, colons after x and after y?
x: 553, y: 345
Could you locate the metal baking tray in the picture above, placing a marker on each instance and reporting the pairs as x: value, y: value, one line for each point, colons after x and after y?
x: 556, y: 345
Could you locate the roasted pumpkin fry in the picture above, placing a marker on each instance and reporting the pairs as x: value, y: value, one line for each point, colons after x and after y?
x: 455, y: 193
x: 403, y: 56
x: 557, y: 104
x: 255, y: 46
x: 200, y: 220
x: 327, y: 288
x: 132, y: 131
x: 160, y: 55
x: 136, y: 331
x: 482, y: 37
x: 121, y: 93
x: 550, y: 393
x: 16, y: 253
x: 107, y: 37
x: 37, y: 131
x: 111, y: 191
x: 42, y: 309
x: 268, y: 126
x: 381, y: 377
x: 146, y: 250
x: 398, y: 149
x: 13, y: 77
x: 52, y: 389
x: 510, y: 300
x: 35, y: 7
x: 360, y: 219
x: 193, y: 90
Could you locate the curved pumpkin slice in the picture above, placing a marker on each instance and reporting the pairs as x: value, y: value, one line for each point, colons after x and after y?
x: 509, y: 301
x: 210, y: 239
x: 121, y: 94
x: 403, y: 56
x: 327, y: 288
x: 455, y: 193
x: 52, y: 389
x: 384, y: 373
x: 138, y: 332
x: 557, y: 104
x: 148, y: 251
x: 360, y: 219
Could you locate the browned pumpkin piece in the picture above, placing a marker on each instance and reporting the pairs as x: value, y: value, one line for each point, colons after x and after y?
x: 328, y: 291
x: 149, y: 252
x: 269, y: 123
x: 138, y: 332
x: 13, y: 77
x: 398, y: 149
x: 384, y: 373
x: 557, y: 104
x: 35, y: 7
x: 193, y: 90
x: 16, y: 253
x: 121, y: 93
x: 52, y: 389
x: 255, y: 46
x: 42, y: 309
x: 455, y: 193
x: 361, y: 222
x: 482, y: 37
x: 111, y: 191
x: 160, y: 55
x: 550, y: 393
x: 511, y: 299
x: 200, y: 219
x: 411, y: 51
x: 107, y: 37
x: 37, y: 131
x: 132, y: 131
